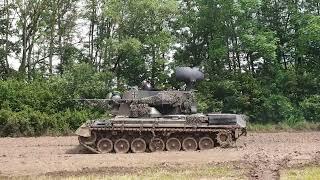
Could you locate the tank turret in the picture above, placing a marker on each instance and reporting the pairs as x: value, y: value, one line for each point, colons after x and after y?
x: 141, y: 102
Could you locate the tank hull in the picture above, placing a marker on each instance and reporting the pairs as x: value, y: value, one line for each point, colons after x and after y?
x: 122, y: 134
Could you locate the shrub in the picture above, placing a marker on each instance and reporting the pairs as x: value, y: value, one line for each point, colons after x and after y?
x: 278, y: 108
x: 311, y: 108
x: 47, y: 106
x: 35, y: 123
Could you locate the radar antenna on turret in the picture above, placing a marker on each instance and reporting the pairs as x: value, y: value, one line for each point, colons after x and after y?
x: 189, y: 75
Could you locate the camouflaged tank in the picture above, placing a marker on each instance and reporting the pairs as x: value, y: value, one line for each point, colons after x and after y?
x: 146, y: 120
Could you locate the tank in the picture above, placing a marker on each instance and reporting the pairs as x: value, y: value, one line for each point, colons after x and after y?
x: 147, y: 120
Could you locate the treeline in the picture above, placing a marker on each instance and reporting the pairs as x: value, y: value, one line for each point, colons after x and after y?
x: 260, y: 57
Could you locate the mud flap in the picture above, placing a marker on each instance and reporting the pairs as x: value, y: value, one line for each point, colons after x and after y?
x: 83, y: 131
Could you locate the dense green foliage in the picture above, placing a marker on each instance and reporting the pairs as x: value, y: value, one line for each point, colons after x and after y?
x: 49, y: 106
x: 260, y: 57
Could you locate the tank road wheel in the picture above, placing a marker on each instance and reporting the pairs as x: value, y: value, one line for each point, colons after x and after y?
x: 206, y: 143
x: 224, y: 138
x: 156, y: 144
x: 189, y: 144
x: 138, y: 145
x: 88, y: 140
x: 105, y: 145
x: 121, y: 146
x: 173, y: 144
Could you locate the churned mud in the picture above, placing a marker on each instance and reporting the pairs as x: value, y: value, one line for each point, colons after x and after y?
x: 260, y: 155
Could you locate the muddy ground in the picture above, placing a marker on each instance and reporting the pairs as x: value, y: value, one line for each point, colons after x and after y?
x: 261, y: 154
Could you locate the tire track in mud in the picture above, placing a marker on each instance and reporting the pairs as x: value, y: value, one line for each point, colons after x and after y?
x: 261, y: 155
x: 262, y: 166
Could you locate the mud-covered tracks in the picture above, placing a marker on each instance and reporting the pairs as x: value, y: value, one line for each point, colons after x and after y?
x: 138, y: 141
x: 105, y: 145
x: 156, y: 144
x: 189, y: 144
x: 138, y: 145
x: 206, y: 143
x: 121, y: 145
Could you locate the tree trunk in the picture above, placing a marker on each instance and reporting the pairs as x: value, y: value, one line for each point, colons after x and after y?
x: 30, y: 48
x: 91, y: 33
x: 284, y: 61
x: 238, y: 56
x: 59, y: 17
x: 22, y: 68
x: 251, y: 62
x: 92, y: 43
x: 153, y: 66
x: 233, y: 57
x: 51, y: 45
x: 7, y: 38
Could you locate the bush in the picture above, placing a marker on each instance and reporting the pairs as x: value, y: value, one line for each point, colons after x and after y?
x: 75, y: 119
x: 277, y: 109
x: 47, y: 106
x: 35, y: 123
x: 38, y: 95
x: 311, y: 108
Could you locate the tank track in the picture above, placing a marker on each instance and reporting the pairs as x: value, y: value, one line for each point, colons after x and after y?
x: 138, y: 140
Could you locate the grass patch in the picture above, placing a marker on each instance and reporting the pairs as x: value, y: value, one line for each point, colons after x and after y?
x: 163, y: 173
x: 308, y: 173
x: 278, y: 127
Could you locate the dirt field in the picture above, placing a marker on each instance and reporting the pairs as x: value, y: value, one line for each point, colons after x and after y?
x: 262, y: 155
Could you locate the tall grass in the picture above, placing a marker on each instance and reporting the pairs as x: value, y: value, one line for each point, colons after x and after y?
x: 155, y: 173
x: 282, y: 126
x: 306, y: 173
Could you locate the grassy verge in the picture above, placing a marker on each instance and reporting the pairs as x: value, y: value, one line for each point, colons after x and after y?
x: 308, y: 173
x: 163, y: 173
x: 272, y: 127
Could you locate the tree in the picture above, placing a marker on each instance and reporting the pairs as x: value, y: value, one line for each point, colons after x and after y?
x: 140, y: 38
x: 7, y: 46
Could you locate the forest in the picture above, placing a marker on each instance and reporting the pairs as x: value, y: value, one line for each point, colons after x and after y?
x: 260, y: 57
